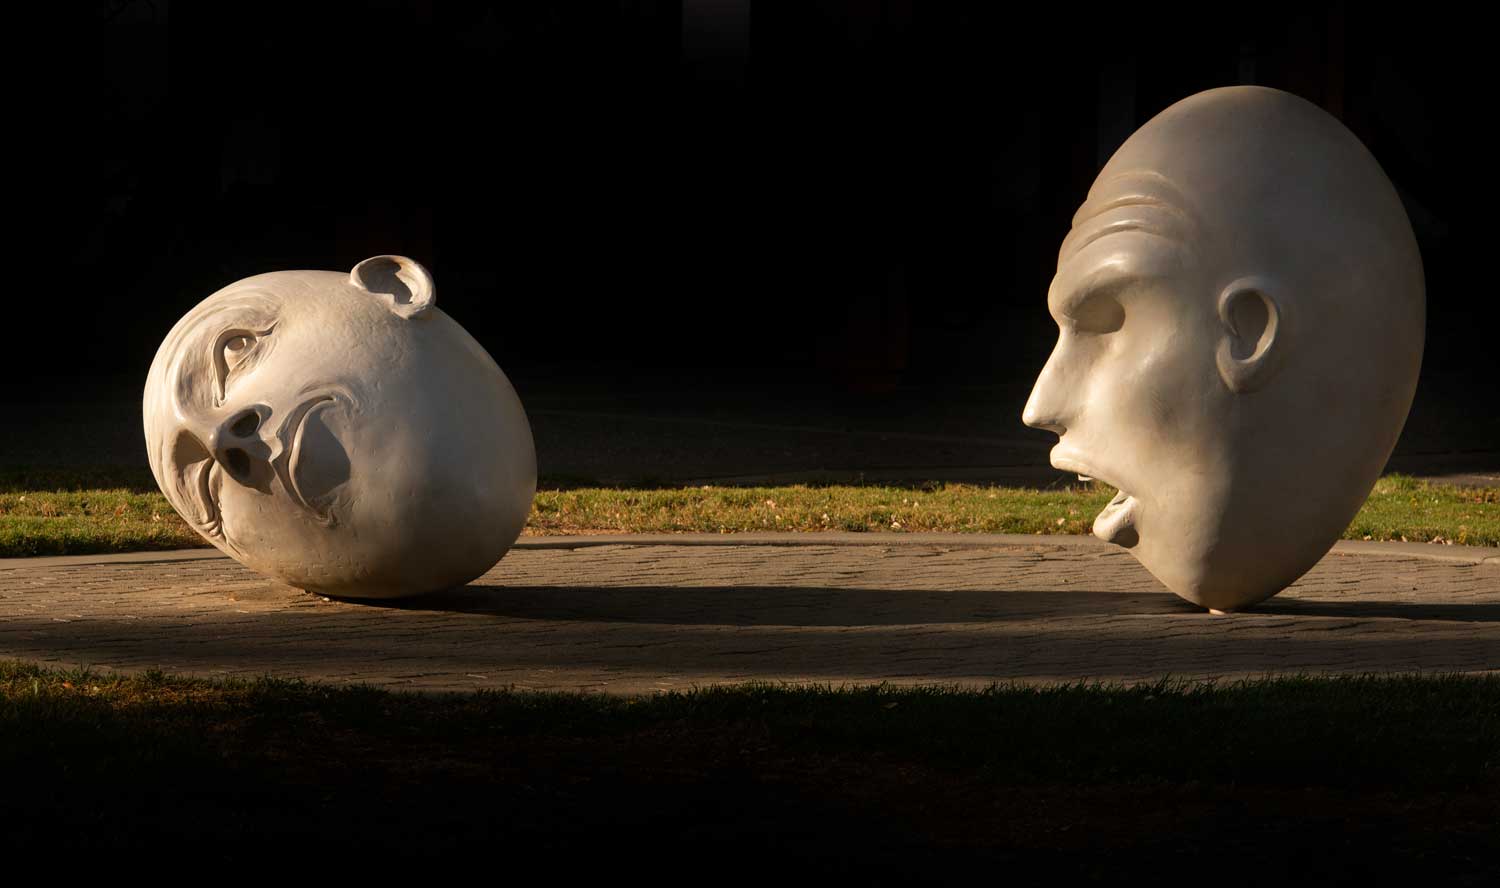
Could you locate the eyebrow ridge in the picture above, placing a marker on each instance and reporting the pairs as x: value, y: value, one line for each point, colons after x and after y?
x: 1079, y: 296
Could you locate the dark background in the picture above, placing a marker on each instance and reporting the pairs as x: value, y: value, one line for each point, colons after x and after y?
x: 853, y: 197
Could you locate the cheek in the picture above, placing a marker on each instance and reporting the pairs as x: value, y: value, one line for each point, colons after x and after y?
x: 1156, y: 380
x: 251, y: 517
x: 1169, y: 381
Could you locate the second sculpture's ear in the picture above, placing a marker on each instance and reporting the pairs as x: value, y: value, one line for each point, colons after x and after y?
x: 403, y: 283
x: 1254, y: 335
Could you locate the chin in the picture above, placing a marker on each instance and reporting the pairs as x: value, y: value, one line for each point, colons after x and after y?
x: 1223, y: 577
x: 1194, y: 580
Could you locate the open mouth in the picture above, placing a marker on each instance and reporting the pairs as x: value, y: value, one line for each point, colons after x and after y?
x: 1117, y: 522
x: 292, y: 462
x: 291, y: 435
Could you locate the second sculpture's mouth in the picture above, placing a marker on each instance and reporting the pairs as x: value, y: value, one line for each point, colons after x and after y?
x: 293, y: 463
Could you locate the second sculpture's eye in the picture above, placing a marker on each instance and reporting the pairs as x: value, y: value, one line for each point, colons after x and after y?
x: 236, y: 347
x: 234, y: 350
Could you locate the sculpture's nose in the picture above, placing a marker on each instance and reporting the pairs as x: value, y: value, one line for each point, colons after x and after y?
x: 239, y: 446
x: 1047, y: 406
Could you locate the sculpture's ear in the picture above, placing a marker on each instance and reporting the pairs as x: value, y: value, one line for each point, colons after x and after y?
x: 403, y: 283
x: 1254, y: 337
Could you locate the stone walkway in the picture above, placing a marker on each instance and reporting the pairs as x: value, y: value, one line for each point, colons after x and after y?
x: 641, y: 613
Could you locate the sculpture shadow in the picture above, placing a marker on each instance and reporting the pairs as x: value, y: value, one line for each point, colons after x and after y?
x: 1395, y: 610
x: 841, y: 606
x: 551, y: 637
x: 785, y: 605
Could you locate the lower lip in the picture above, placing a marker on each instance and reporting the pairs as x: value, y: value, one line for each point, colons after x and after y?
x: 1116, y: 524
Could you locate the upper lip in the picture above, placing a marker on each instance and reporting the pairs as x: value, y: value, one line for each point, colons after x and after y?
x: 1069, y: 461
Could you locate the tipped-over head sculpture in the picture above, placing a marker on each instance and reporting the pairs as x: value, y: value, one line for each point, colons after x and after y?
x: 1241, y: 313
x: 340, y: 433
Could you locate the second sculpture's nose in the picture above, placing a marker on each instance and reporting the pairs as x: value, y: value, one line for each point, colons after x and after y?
x: 239, y: 447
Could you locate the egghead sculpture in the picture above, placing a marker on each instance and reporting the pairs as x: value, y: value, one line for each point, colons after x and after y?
x: 1241, y: 311
x: 339, y: 432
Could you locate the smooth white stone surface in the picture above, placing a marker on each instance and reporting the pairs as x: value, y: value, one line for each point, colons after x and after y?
x: 341, y: 433
x: 1241, y: 311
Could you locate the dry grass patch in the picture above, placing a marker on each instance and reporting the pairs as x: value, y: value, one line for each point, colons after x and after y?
x: 55, y: 513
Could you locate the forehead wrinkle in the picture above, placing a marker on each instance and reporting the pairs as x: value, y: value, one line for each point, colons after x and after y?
x: 1135, y: 216
x: 1132, y: 186
x: 252, y: 307
x: 1094, y: 207
x: 1152, y: 203
x: 1078, y: 239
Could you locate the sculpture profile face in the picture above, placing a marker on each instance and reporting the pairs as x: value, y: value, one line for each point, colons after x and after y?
x: 339, y: 432
x: 1240, y: 309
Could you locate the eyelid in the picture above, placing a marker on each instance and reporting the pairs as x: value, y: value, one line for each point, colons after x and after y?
x: 221, y: 367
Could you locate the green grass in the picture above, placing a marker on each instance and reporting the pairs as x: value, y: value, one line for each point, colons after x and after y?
x: 1250, y: 768
x: 955, y: 508
x: 66, y: 512
x: 1403, y: 508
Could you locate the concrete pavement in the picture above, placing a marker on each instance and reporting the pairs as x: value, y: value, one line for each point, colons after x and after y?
x: 639, y: 613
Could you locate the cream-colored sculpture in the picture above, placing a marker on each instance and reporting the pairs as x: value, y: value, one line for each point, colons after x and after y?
x: 340, y: 432
x: 1241, y: 309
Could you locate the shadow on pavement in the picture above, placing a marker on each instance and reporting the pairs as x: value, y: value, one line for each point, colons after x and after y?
x: 785, y: 606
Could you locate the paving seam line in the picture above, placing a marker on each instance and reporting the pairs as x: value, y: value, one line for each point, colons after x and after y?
x: 1424, y: 551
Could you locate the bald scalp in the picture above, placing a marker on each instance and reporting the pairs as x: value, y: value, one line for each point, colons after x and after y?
x: 1273, y: 181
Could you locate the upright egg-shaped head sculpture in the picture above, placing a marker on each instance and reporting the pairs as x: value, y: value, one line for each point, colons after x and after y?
x: 340, y: 433
x: 1241, y: 309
